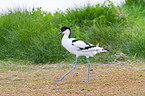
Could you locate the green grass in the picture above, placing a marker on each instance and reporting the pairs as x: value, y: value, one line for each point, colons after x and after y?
x: 120, y: 78
x: 25, y: 35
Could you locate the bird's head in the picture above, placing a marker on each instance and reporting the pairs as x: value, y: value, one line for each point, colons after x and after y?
x: 65, y: 30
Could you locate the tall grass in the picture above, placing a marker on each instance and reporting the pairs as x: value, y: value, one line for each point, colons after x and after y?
x: 25, y: 35
x: 135, y: 31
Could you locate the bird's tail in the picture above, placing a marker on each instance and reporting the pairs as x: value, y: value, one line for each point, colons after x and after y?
x: 97, y: 49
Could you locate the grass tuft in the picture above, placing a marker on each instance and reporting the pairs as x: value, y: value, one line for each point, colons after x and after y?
x: 25, y: 35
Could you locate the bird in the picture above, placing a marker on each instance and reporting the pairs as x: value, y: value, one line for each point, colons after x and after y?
x: 79, y: 48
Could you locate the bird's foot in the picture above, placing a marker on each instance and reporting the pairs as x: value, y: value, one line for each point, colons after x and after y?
x: 85, y: 81
x: 59, y: 79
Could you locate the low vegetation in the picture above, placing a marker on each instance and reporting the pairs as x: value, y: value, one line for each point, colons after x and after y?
x: 25, y: 35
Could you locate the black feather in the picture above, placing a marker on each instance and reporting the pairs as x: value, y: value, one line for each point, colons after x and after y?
x: 89, y: 46
x: 74, y: 40
x: 63, y: 28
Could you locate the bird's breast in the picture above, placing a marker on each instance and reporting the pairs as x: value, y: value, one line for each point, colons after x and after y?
x: 67, y: 44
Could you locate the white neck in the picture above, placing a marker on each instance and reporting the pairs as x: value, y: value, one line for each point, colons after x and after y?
x: 66, y: 36
x: 67, y: 32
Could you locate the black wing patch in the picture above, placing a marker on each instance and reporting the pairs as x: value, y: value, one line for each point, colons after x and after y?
x: 80, y: 40
x: 75, y: 40
x: 89, y: 46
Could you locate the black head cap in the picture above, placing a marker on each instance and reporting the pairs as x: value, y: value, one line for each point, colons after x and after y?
x: 63, y: 28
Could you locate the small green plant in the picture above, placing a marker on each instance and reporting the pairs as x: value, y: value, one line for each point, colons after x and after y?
x: 25, y: 35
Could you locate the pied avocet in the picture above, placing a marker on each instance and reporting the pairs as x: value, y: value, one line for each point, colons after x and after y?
x: 78, y: 47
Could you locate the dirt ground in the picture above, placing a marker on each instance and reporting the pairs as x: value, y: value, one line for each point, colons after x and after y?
x: 117, y: 79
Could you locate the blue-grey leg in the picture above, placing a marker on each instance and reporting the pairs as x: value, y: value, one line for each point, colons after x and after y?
x: 88, y: 69
x: 69, y: 71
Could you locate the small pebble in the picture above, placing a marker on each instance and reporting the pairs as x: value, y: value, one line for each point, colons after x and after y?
x: 83, y: 88
x: 82, y: 81
x: 43, y: 67
x: 76, y: 74
x: 91, y: 70
x: 140, y: 75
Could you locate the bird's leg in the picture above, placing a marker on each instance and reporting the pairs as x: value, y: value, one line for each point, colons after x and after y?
x: 69, y: 71
x: 88, y: 69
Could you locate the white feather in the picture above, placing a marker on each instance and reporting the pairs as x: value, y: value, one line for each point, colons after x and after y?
x: 78, y: 47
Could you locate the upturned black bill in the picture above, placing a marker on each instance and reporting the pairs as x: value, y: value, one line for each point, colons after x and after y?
x: 56, y: 35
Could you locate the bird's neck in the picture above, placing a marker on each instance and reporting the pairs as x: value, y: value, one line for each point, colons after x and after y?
x: 66, y: 36
x: 65, y: 40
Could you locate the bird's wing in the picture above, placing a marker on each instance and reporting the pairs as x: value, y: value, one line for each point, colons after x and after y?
x: 82, y: 45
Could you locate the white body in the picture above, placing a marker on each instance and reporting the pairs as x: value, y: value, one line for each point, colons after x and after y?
x: 74, y: 47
